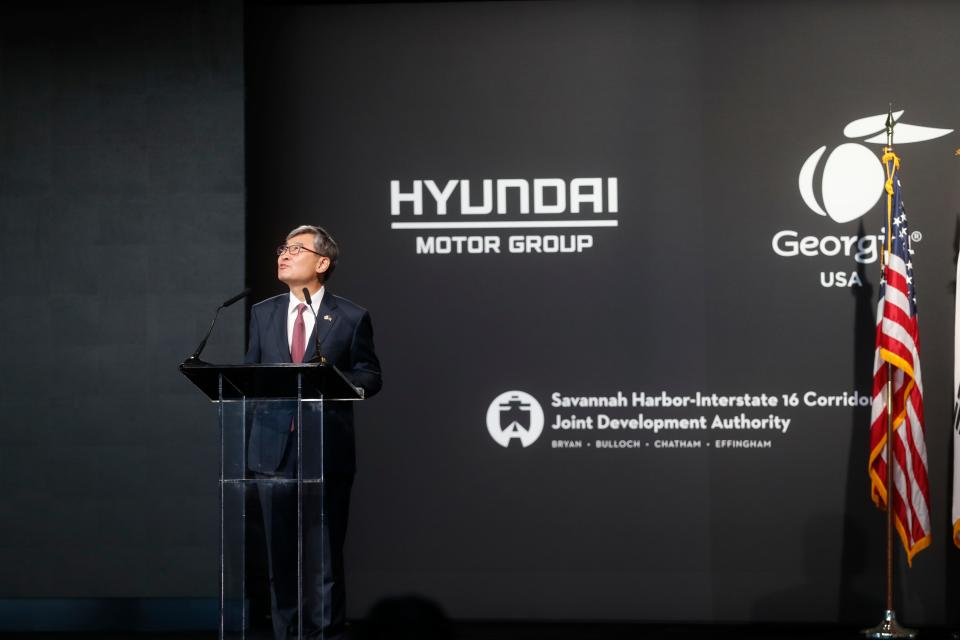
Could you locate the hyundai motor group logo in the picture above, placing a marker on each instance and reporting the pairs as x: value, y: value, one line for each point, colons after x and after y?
x: 515, y: 415
x: 853, y: 175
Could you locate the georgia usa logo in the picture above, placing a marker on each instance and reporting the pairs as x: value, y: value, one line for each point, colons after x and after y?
x: 853, y: 175
x: 851, y: 183
x: 515, y: 415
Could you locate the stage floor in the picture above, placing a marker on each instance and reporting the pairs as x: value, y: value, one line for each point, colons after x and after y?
x: 531, y: 631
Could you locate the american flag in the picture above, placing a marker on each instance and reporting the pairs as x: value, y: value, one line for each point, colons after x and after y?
x: 955, y: 509
x: 898, y: 344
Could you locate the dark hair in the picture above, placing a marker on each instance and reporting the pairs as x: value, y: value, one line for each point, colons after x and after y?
x: 323, y: 243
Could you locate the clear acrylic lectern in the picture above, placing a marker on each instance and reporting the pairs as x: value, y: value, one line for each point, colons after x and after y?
x: 271, y: 423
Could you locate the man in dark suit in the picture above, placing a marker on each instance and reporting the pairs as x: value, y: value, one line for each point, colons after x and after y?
x: 283, y: 329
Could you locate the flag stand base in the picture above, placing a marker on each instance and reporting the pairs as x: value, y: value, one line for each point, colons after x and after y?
x: 888, y: 629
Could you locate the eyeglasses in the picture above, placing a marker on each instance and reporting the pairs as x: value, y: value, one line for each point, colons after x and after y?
x: 293, y: 249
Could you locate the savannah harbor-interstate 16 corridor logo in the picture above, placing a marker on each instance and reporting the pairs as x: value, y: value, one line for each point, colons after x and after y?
x: 515, y: 415
x: 655, y: 420
x: 851, y: 184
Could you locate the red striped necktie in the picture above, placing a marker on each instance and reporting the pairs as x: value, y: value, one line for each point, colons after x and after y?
x: 298, y: 344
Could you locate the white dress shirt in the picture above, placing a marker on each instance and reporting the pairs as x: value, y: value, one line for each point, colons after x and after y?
x: 308, y: 318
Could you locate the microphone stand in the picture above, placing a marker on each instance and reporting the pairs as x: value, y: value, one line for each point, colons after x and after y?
x: 195, y: 358
x: 318, y: 357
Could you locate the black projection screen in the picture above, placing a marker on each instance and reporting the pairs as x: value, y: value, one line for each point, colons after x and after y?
x: 547, y: 205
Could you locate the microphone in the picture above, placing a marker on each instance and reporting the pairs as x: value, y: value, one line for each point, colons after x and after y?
x: 316, y: 328
x: 240, y: 296
x: 195, y: 358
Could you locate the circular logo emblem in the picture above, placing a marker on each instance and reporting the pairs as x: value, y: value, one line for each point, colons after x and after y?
x: 853, y: 181
x: 515, y: 415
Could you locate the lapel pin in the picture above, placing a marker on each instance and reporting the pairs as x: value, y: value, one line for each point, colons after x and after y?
x: 328, y: 318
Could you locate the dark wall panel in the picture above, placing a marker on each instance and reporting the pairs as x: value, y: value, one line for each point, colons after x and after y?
x: 122, y: 226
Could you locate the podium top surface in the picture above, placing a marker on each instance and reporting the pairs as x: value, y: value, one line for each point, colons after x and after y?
x: 308, y: 381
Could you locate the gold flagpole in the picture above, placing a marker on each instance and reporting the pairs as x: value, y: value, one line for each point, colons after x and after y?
x: 889, y: 629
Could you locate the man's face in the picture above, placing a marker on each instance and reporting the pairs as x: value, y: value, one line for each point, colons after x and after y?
x: 301, y: 270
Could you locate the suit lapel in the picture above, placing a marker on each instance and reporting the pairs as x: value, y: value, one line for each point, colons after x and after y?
x: 279, y: 322
x: 326, y: 318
